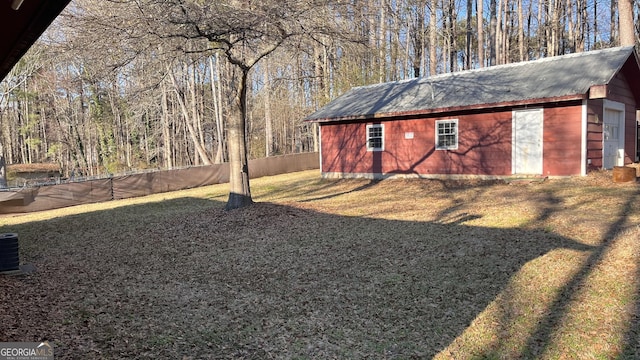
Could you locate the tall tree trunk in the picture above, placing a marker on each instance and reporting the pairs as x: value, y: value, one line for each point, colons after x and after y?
x: 200, y: 150
x: 382, y: 42
x: 166, y: 129
x: 542, y: 19
x: 613, y: 29
x: 480, y: 25
x: 521, y: 44
x: 555, y: 27
x: 451, y: 35
x: 571, y: 30
x: 409, y: 63
x: 322, y: 90
x: 595, y: 23
x: 195, y: 114
x: 433, y: 60
x: 627, y: 29
x: 468, y: 35
x: 579, y: 26
x: 453, y: 22
x: 268, y: 121
x: 499, y: 34
x: 3, y: 168
x: 395, y: 50
x: 493, y: 24
x: 417, y: 31
x: 217, y: 107
x: 4, y: 100
x: 240, y: 193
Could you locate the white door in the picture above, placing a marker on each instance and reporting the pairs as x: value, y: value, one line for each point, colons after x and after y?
x: 613, y: 138
x: 527, y: 142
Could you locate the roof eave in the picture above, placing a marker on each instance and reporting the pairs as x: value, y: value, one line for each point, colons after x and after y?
x: 632, y: 54
x: 21, y: 36
x: 413, y: 113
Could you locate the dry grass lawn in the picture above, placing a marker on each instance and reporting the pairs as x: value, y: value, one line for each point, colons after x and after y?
x: 336, y: 269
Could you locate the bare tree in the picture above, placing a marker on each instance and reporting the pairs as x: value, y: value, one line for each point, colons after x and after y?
x: 433, y: 60
x: 382, y: 41
x: 493, y: 27
x: 521, y: 44
x: 614, y: 36
x: 244, y: 32
x: 468, y: 34
x: 188, y: 116
x: 480, y: 25
x: 16, y: 79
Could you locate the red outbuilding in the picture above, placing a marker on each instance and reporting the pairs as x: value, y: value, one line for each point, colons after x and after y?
x: 558, y: 116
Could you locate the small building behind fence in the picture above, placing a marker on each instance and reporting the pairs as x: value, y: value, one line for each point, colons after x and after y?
x: 39, y: 172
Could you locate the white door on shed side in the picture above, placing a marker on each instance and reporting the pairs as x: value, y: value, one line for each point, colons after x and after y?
x: 613, y: 135
x: 527, y: 144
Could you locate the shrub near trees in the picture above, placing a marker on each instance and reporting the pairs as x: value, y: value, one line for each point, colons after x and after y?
x: 119, y: 85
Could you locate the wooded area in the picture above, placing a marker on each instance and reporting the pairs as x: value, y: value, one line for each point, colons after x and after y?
x: 105, y: 90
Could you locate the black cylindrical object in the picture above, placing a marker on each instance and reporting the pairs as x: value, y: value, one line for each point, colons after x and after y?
x: 9, y: 258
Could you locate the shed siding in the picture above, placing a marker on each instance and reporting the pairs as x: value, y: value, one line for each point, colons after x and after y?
x: 594, y: 134
x: 484, y: 147
x: 344, y: 148
x: 620, y: 91
x: 562, y: 149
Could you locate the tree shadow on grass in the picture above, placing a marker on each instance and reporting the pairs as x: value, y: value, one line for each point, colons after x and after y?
x: 362, y: 187
x: 265, y: 281
x: 541, y: 338
x: 632, y: 337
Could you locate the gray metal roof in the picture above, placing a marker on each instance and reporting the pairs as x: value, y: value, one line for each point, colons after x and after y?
x: 560, y: 77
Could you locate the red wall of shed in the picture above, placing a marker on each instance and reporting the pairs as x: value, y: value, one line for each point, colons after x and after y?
x: 562, y: 134
x: 594, y: 134
x: 620, y: 91
x: 484, y: 147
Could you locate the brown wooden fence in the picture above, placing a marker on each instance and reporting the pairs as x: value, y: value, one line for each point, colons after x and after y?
x: 127, y: 186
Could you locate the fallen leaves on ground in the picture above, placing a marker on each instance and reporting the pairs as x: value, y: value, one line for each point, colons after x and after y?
x: 336, y: 269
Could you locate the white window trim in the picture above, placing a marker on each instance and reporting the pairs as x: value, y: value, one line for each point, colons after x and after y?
x: 438, y: 147
x: 381, y: 126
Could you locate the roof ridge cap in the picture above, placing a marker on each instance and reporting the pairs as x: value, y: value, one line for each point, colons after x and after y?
x: 428, y: 79
x: 543, y: 59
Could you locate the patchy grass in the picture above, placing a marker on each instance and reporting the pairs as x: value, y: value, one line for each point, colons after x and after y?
x: 394, y: 269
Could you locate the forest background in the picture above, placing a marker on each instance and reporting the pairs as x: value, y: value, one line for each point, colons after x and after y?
x: 98, y: 97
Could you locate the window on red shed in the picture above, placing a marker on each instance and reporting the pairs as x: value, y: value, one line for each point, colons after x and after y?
x: 375, y: 137
x: 447, y: 134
